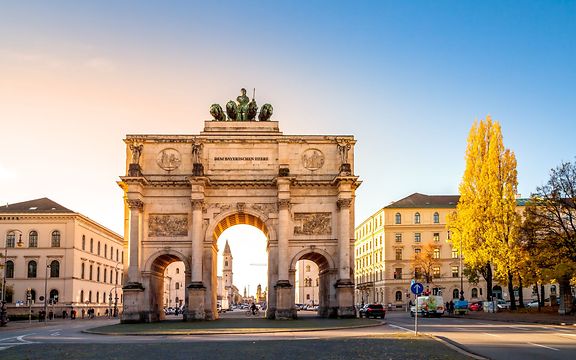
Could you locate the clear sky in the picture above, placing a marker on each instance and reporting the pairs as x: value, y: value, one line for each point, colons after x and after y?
x: 406, y: 78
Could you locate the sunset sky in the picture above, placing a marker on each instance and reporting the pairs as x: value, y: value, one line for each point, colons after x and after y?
x: 406, y: 78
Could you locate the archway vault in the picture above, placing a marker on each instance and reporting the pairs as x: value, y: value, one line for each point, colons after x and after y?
x: 239, y: 219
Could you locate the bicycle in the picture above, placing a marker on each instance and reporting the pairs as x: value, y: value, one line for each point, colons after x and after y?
x: 249, y: 313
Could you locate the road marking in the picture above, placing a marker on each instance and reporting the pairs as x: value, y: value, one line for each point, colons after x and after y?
x: 21, y: 339
x: 400, y: 327
x: 494, y: 335
x: 519, y: 328
x: 55, y: 334
x: 544, y: 346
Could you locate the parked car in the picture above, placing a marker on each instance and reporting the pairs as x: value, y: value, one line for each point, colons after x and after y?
x: 372, y: 310
x: 502, y: 304
x: 532, y: 304
x: 476, y: 306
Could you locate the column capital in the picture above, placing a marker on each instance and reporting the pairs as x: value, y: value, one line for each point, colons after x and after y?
x: 344, y: 203
x: 197, y: 204
x: 283, y: 204
x: 135, y: 204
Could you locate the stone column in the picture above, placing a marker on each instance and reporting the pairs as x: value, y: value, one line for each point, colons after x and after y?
x: 283, y: 228
x: 284, y: 300
x: 196, y: 288
x: 134, y: 238
x: 344, y: 285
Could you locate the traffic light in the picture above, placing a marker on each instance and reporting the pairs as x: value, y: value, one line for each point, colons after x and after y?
x: 29, y: 296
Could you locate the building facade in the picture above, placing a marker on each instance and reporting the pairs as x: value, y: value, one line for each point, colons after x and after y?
x: 174, y: 285
x: 307, y: 281
x: 55, y: 253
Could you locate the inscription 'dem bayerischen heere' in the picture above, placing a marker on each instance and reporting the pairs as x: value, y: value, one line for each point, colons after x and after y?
x: 241, y: 158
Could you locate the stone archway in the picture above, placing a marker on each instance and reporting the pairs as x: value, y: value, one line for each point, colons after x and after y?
x: 181, y: 191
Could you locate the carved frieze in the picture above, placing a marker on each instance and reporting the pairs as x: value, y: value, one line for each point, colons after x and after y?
x: 313, y: 159
x: 283, y: 204
x: 135, y: 204
x: 344, y: 203
x: 319, y: 223
x: 265, y: 208
x: 168, y: 225
x: 197, y: 204
x: 169, y: 159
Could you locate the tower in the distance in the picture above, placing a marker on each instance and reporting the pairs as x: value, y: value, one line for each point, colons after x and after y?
x: 227, y: 273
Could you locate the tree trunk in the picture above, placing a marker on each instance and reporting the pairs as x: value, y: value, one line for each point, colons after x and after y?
x: 511, y: 290
x: 541, y: 303
x: 488, y: 279
x: 520, y: 293
x: 565, y: 296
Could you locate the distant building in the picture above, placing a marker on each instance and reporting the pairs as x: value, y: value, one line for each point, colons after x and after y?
x: 61, y: 254
x: 307, y: 281
x: 174, y: 288
x: 387, y: 241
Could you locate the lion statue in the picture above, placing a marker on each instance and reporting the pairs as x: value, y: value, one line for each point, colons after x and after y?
x: 217, y: 113
x: 252, y: 110
x: 265, y: 112
x: 232, y: 110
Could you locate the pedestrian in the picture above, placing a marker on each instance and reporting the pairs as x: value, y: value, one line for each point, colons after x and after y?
x: 451, y: 311
x: 83, y: 313
x: 448, y: 307
x: 64, y: 314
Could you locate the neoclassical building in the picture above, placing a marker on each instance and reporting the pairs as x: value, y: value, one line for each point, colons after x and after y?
x: 61, y: 254
x: 307, y: 283
x: 182, y: 191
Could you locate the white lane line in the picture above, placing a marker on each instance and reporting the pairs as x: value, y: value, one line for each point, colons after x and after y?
x: 400, y: 327
x: 494, y: 335
x: 55, y: 334
x: 21, y: 339
x: 4, y: 347
x: 519, y: 328
x: 544, y: 346
x: 8, y: 338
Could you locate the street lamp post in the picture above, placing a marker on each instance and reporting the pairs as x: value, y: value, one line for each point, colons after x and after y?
x: 46, y: 294
x: 461, y: 271
x: 115, y: 314
x: 3, y: 310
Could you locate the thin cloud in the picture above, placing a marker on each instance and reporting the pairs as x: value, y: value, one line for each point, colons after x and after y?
x: 101, y: 64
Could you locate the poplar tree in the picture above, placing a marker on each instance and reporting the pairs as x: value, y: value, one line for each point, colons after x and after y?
x: 485, y: 222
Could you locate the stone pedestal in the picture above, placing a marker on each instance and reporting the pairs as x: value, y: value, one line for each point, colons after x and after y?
x: 135, y: 308
x: 284, y: 303
x: 196, y: 304
x: 345, y: 299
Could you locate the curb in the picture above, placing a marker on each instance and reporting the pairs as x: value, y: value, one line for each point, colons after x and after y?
x: 457, y: 347
x: 204, y: 333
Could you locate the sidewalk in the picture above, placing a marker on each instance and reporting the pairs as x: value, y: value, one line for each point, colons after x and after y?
x: 24, y: 324
x: 525, y: 316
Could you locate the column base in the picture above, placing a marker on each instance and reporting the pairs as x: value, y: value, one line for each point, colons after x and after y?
x: 135, y: 309
x: 344, y: 299
x: 284, y: 303
x: 196, y: 305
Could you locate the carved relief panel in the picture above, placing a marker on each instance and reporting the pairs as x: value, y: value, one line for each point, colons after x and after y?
x: 313, y: 223
x: 168, y: 225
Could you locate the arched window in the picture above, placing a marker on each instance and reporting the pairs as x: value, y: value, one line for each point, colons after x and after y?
x: 398, y: 296
x: 417, y: 218
x: 455, y: 293
x: 54, y: 269
x: 33, y: 295
x: 10, y: 239
x: 84, y: 242
x: 82, y: 270
x: 9, y: 269
x: 177, y: 271
x: 111, y: 252
x: 98, y: 248
x: 98, y: 274
x: 91, y: 245
x: 32, y: 269
x: 116, y: 275
x: 110, y: 276
x: 55, y: 238
x: 436, y: 254
x: 105, y: 275
x: 177, y: 286
x: 105, y: 250
x: 436, y: 218
x: 82, y: 296
x: 33, y: 239
x: 53, y: 296
x: 97, y: 297
x: 307, y: 268
x: 90, y: 274
x: 90, y: 296
x: 116, y: 254
x: 398, y: 219
x: 474, y: 293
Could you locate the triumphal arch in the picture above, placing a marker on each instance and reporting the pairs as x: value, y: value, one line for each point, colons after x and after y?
x: 182, y: 191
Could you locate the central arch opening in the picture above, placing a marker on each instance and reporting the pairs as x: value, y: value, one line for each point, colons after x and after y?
x: 242, y: 266
x: 168, y: 287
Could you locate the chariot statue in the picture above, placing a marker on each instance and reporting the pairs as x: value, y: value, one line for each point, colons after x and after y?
x: 243, y: 109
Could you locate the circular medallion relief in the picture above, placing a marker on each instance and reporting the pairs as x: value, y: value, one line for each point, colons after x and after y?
x: 313, y: 159
x: 168, y: 159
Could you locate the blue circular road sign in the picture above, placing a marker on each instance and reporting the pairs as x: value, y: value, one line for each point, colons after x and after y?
x: 417, y: 288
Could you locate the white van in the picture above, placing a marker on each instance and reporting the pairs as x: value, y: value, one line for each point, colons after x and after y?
x: 430, y: 305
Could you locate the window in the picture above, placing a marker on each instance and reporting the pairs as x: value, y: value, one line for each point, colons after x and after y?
x: 55, y: 238
x: 84, y: 242
x: 82, y: 270
x: 398, y: 273
x: 105, y: 250
x: 32, y: 269
x: 82, y: 296
x: 98, y: 274
x: 225, y: 264
x: 436, y: 271
x: 116, y: 254
x: 90, y: 296
x: 54, y: 269
x: 417, y: 237
x: 177, y: 271
x: 398, y: 237
x: 9, y: 269
x: 436, y: 237
x: 33, y: 239
x: 417, y: 218
x: 455, y: 271
x: 116, y: 275
x: 307, y: 268
x: 91, y: 245
x: 398, y: 254
x: 111, y: 253
x: 474, y: 293
x: 177, y: 286
x: 436, y: 254
x: 98, y: 248
x: 10, y: 239
x: 110, y: 276
x: 454, y: 254
x: 398, y: 296
x: 105, y: 275
x: 417, y: 251
x: 90, y: 274
x: 417, y: 273
x: 455, y: 294
x: 33, y: 295
x: 436, y: 218
x: 398, y: 219
x: 53, y: 299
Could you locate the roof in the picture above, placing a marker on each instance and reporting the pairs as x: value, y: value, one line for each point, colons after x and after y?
x: 227, y: 248
x: 418, y: 200
x: 38, y: 206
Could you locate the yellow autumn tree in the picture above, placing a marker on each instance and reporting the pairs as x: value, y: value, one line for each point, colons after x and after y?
x: 485, y: 221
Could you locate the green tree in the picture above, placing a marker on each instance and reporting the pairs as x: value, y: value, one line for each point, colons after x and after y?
x: 550, y: 228
x: 485, y: 220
